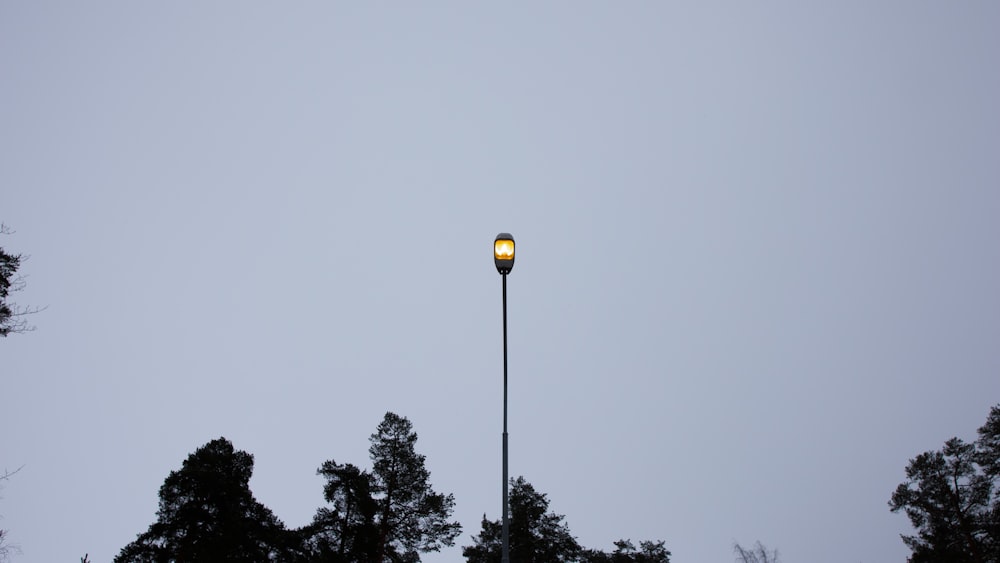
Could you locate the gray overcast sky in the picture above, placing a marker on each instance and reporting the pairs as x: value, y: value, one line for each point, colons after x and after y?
x: 757, y: 260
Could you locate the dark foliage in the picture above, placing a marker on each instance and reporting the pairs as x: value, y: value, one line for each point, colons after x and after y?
x: 9, y: 263
x: 9, y: 281
x: 412, y: 517
x: 390, y: 514
x: 540, y: 536
x: 952, y: 498
x: 13, y: 318
x: 207, y: 513
x: 536, y: 535
x: 625, y: 552
x: 346, y: 530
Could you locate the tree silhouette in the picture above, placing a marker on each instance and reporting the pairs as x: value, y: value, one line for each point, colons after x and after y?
x: 12, y: 317
x: 536, y: 535
x: 951, y: 497
x: 411, y: 517
x: 346, y: 530
x: 208, y: 514
x: 540, y: 536
x: 625, y: 552
x: 388, y: 514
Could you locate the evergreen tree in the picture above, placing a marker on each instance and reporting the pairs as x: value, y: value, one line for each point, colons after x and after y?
x: 952, y: 498
x: 988, y: 457
x: 412, y: 517
x: 389, y: 514
x: 12, y: 317
x: 540, y: 536
x: 345, y: 531
x: 625, y: 552
x: 536, y: 535
x: 208, y: 514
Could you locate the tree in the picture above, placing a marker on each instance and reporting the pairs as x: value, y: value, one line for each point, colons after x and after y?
x: 988, y: 458
x: 12, y: 316
x: 988, y: 454
x: 388, y: 514
x: 411, y: 517
x: 540, y: 536
x: 536, y: 535
x: 208, y: 514
x: 625, y: 552
x: 757, y: 554
x: 951, y: 497
x: 346, y: 531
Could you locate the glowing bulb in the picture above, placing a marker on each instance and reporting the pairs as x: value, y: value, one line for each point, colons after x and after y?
x: 503, y: 253
x: 504, y: 249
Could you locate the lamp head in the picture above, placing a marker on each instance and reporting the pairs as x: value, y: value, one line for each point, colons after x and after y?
x: 503, y: 253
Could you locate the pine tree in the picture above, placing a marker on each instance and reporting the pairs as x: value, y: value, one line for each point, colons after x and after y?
x: 345, y: 530
x: 12, y: 317
x: 388, y: 514
x: 208, y: 514
x: 536, y: 535
x: 412, y: 517
x: 952, y: 498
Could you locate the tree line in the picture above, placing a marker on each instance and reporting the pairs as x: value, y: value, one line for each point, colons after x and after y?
x: 389, y: 513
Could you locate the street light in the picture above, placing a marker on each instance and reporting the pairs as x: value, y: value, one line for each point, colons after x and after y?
x: 503, y: 253
x: 503, y: 257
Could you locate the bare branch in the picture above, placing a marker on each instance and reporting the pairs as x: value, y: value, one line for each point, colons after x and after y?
x: 8, y: 474
x: 759, y: 554
x: 5, y: 548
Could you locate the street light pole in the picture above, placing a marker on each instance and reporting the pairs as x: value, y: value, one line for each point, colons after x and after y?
x: 505, y: 557
x: 503, y: 257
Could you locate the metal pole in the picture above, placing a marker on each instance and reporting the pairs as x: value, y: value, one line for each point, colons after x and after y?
x: 505, y: 554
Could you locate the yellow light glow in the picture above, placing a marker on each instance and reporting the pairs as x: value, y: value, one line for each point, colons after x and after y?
x: 503, y: 249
